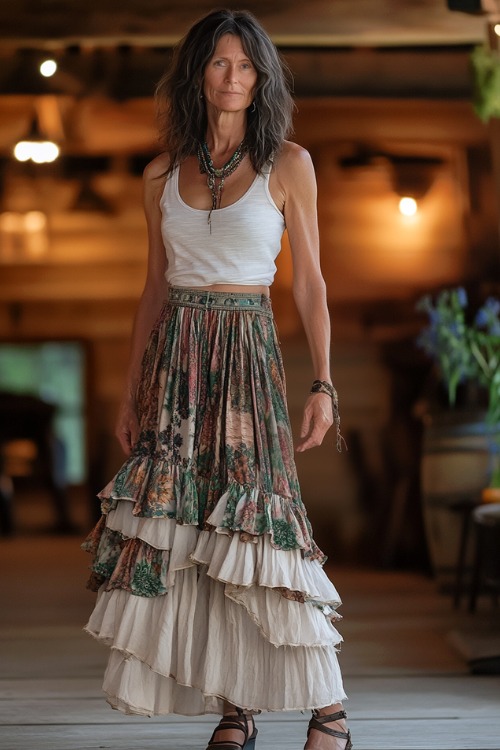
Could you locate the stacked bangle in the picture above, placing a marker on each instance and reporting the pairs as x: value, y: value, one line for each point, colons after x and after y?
x: 323, y: 386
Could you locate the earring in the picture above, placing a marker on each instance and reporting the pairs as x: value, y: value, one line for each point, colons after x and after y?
x: 253, y: 108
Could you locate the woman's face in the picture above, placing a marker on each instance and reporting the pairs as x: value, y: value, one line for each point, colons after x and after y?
x: 230, y: 77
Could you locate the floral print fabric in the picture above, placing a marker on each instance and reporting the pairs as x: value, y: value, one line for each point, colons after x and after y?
x: 215, y: 448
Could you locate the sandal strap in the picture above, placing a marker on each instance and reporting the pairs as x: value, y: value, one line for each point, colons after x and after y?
x: 329, y: 717
x: 231, y: 722
x: 318, y: 723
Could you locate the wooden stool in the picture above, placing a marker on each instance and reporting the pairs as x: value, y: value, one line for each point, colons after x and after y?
x: 486, y: 570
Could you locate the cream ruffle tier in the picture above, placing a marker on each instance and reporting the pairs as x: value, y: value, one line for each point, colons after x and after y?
x: 217, y: 618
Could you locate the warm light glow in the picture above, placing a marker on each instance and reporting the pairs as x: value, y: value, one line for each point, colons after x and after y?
x: 23, y: 237
x: 48, y: 68
x: 44, y: 152
x: 496, y: 29
x: 35, y: 221
x: 408, y: 206
x: 10, y: 221
x: 22, y: 151
x: 41, y: 152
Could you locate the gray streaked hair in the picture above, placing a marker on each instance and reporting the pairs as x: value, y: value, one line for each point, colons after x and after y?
x: 181, y: 107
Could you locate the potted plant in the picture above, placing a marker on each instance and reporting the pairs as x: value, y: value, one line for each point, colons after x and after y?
x: 467, y: 349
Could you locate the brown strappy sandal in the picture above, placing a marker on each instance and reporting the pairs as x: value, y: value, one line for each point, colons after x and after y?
x: 318, y: 721
x: 240, y: 722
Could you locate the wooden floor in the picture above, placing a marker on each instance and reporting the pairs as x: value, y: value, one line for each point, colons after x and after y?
x: 408, y: 686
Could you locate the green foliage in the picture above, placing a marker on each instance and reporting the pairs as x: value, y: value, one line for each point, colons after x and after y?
x: 446, y: 338
x: 486, y: 65
x: 465, y: 350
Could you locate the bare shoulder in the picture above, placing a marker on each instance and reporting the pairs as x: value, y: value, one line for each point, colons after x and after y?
x: 154, y: 177
x: 293, y: 156
x: 156, y: 167
x: 294, y: 168
x: 294, y: 164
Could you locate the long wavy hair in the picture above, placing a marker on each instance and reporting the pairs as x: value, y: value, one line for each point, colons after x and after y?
x: 179, y: 93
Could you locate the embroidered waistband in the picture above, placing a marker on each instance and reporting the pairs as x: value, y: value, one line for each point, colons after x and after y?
x: 244, y: 301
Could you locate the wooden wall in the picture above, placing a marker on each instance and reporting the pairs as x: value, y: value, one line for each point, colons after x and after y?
x: 85, y: 283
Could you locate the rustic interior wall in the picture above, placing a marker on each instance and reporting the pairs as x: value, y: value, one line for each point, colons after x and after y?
x: 86, y: 282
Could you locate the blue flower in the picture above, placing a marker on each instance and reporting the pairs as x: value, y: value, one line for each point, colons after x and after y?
x: 493, y: 305
x: 460, y: 350
x: 481, y: 319
x: 462, y: 297
x: 487, y: 316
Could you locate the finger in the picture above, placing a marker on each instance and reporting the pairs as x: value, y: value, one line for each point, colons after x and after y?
x: 306, y: 424
x: 309, y: 442
x: 315, y: 437
x: 126, y: 447
x: 134, y: 435
x: 124, y: 440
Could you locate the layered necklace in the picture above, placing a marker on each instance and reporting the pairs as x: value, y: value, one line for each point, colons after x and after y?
x: 216, y: 177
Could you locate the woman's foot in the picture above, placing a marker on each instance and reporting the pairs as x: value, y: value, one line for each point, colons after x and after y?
x: 328, y: 729
x: 236, y: 730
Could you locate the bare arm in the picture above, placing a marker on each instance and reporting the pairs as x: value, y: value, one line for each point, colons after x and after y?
x: 152, y: 299
x: 296, y: 176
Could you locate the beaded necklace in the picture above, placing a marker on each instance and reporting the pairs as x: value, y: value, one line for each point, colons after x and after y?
x: 217, y: 174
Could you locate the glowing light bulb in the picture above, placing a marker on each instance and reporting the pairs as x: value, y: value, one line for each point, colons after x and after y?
x: 37, y: 153
x: 22, y: 151
x: 49, y: 150
x: 48, y: 68
x: 408, y: 206
x: 496, y: 29
x: 41, y: 152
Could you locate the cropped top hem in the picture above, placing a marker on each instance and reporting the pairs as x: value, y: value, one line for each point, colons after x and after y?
x: 239, y: 246
x: 215, y: 283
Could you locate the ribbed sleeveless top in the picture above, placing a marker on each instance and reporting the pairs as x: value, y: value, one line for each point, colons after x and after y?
x: 241, y: 248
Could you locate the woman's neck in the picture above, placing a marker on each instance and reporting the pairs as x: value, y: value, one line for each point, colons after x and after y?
x: 225, y: 132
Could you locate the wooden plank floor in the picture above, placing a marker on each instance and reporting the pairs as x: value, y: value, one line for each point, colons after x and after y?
x: 408, y: 687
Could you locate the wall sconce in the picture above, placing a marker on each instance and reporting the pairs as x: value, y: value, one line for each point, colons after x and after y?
x: 408, y: 206
x: 412, y: 178
x: 35, y: 147
x: 48, y: 68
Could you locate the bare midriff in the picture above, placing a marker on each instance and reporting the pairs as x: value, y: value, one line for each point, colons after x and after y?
x: 238, y: 288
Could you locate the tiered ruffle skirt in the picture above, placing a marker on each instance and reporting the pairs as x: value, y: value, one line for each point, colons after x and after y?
x: 210, y: 586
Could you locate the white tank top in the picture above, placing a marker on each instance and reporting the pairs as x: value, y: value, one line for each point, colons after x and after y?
x: 241, y: 248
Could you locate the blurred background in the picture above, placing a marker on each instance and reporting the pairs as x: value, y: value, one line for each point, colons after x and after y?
x: 385, y: 94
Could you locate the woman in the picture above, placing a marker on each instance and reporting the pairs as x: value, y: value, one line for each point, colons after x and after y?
x: 211, y: 590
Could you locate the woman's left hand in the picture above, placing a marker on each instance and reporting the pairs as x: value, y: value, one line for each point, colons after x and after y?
x: 317, y: 420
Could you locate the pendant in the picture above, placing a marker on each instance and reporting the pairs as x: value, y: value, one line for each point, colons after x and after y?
x: 213, y: 174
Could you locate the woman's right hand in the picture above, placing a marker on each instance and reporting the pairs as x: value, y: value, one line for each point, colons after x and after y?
x: 127, y: 427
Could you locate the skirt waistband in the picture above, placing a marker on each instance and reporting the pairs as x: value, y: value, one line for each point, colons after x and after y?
x: 215, y: 300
